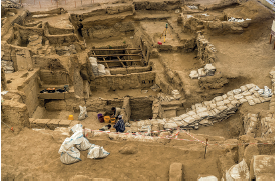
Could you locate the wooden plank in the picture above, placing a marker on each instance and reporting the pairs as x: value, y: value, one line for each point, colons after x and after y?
x: 121, y: 62
x: 113, y: 61
x: 115, y: 55
x: 137, y: 49
x: 106, y: 63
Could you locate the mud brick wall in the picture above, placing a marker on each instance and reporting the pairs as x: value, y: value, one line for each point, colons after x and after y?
x: 58, y: 31
x: 130, y: 70
x: 30, y: 89
x: 206, y: 51
x: 126, y: 110
x: 3, y: 80
x: 26, y: 32
x: 157, y: 5
x: 15, y: 114
x: 54, y: 77
x: 102, y: 31
x: 141, y: 108
x: 53, y: 11
x: 128, y: 81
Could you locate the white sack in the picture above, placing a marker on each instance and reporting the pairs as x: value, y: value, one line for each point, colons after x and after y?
x: 76, y: 138
x: 77, y: 127
x: 84, y: 145
x: 83, y: 113
x: 70, y: 156
x: 239, y: 172
x: 97, y: 152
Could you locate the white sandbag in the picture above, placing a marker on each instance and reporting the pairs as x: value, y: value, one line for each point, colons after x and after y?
x: 239, y: 172
x: 93, y: 60
x: 77, y: 127
x: 70, y: 156
x: 83, y: 113
x: 84, y: 145
x: 101, y: 67
x: 76, y: 138
x: 97, y: 152
x: 208, y: 178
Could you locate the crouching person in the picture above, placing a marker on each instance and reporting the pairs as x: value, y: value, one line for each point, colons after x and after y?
x: 119, y: 126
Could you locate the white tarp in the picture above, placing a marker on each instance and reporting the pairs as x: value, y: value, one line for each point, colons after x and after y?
x: 70, y: 156
x: 97, y: 152
x: 83, y: 113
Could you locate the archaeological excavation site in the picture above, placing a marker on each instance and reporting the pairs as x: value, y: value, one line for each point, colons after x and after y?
x: 138, y: 90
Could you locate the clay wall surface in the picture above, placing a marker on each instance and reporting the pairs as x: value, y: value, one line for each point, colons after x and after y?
x: 128, y: 81
x: 30, y: 88
x: 206, y: 50
x: 3, y: 80
x: 54, y: 77
x: 141, y: 108
x: 15, y: 113
x: 26, y: 32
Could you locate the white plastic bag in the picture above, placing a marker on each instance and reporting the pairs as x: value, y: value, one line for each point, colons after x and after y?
x: 97, y: 152
x: 76, y: 138
x: 70, y: 156
x: 83, y: 113
x: 77, y: 127
x: 84, y: 145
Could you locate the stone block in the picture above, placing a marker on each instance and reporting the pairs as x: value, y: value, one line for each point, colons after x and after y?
x: 266, y: 177
x: 261, y: 164
x: 53, y: 123
x: 176, y: 172
x: 40, y: 123
x: 64, y: 123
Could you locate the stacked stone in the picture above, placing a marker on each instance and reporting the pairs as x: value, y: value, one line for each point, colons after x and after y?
x: 7, y: 66
x: 250, y: 124
x: 206, y: 51
x: 268, y: 127
x: 218, y: 109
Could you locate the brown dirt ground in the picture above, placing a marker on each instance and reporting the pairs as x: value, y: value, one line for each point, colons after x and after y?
x: 32, y: 155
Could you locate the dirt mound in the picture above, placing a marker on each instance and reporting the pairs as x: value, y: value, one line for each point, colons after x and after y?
x: 129, y: 149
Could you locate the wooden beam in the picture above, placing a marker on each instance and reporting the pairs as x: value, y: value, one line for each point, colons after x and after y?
x: 106, y: 63
x: 137, y: 49
x: 115, y: 55
x: 113, y: 61
x: 121, y: 62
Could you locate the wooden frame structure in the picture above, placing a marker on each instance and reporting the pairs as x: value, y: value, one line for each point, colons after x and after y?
x: 118, y: 55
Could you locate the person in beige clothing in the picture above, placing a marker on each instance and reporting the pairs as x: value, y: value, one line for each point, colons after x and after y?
x: 116, y: 111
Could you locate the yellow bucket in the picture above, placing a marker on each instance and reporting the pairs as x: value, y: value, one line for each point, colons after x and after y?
x: 106, y: 119
x: 71, y: 117
x: 113, y: 120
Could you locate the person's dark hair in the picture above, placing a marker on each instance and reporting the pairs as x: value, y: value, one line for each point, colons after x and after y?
x: 109, y: 126
x: 113, y: 108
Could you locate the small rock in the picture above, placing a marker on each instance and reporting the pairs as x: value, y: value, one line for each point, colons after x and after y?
x: 128, y: 149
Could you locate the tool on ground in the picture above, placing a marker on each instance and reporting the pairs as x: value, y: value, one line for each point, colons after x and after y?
x: 8, y: 126
x: 165, y: 32
x: 205, y: 147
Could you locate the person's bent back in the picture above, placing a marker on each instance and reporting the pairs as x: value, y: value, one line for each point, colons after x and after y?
x: 119, y: 126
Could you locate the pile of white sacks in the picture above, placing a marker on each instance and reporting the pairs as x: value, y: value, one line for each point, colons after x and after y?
x: 69, y: 149
x: 208, y: 70
x: 98, y: 69
x: 218, y: 109
x: 232, y: 19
